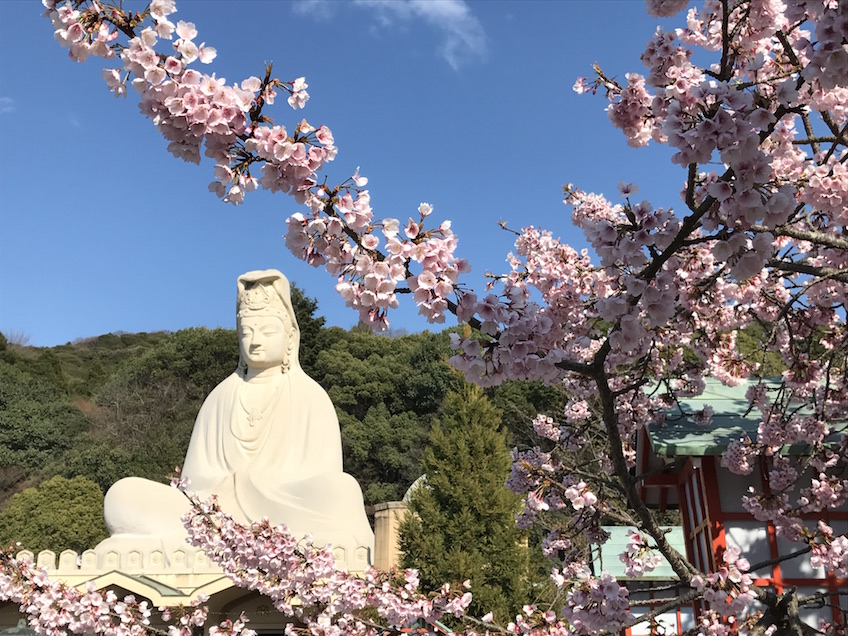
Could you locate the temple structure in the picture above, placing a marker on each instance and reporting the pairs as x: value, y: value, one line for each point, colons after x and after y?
x: 709, y: 498
x: 170, y: 579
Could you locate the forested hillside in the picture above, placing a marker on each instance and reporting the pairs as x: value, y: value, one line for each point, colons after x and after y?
x: 124, y: 404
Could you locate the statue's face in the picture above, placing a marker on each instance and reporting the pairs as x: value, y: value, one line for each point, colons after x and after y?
x: 263, y: 341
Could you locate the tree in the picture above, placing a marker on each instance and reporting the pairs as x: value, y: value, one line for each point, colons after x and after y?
x: 759, y: 133
x: 103, y: 460
x: 48, y: 367
x: 521, y: 402
x: 385, y: 392
x: 461, y: 524
x: 310, y: 327
x: 61, y: 514
x: 88, y: 362
x: 162, y: 389
x: 37, y: 424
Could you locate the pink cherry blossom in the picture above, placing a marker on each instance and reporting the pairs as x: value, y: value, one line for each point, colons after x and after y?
x: 665, y: 8
x: 629, y: 327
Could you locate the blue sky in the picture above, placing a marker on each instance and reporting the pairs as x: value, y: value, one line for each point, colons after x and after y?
x: 468, y: 106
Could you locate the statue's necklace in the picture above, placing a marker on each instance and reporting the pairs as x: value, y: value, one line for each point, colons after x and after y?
x: 254, y: 413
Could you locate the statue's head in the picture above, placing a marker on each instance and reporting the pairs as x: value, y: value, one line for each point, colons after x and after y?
x: 267, y: 329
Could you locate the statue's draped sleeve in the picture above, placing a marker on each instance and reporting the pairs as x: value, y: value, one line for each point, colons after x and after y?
x: 206, y: 464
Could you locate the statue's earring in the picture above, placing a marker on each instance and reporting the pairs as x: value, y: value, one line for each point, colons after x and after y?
x: 287, y: 362
x: 289, y: 351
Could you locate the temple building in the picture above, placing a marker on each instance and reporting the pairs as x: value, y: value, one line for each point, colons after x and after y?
x: 709, y: 498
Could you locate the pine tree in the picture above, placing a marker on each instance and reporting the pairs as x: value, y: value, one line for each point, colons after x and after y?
x: 461, y: 524
x: 60, y: 514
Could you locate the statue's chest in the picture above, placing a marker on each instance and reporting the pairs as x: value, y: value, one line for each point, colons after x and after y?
x: 254, y: 409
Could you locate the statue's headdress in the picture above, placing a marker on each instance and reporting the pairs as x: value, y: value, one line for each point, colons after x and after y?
x: 267, y: 293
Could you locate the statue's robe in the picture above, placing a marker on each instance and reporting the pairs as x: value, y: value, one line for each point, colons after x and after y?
x: 286, y: 467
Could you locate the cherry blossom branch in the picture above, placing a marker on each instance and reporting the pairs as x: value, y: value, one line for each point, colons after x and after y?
x: 684, y: 570
x: 54, y: 608
x: 818, y: 238
x: 660, y: 302
x: 688, y: 597
x: 812, y: 270
x: 780, y: 559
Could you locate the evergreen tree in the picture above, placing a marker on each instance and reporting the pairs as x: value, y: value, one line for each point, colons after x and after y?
x: 47, y: 366
x: 6, y: 353
x: 310, y: 325
x: 60, y: 514
x: 37, y: 425
x: 461, y: 524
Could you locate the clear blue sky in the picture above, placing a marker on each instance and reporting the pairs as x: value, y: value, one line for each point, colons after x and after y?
x: 468, y: 106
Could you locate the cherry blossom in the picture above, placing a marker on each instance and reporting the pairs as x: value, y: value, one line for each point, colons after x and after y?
x: 752, y: 99
x: 639, y: 558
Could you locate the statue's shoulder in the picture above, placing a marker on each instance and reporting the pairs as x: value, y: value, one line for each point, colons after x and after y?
x: 311, y: 390
x: 223, y: 388
x: 308, y: 383
x: 226, y: 383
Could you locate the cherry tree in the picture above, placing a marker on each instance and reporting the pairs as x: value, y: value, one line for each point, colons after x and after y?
x: 757, y: 237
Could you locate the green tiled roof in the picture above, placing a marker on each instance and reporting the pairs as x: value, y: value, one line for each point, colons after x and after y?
x: 608, y: 556
x: 681, y: 436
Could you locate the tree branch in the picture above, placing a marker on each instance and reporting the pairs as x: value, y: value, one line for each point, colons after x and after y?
x: 818, y: 238
x: 684, y: 570
x: 690, y: 596
x: 786, y: 557
x: 812, y: 270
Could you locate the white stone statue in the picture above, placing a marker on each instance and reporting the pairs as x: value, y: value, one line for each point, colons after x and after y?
x: 266, y: 442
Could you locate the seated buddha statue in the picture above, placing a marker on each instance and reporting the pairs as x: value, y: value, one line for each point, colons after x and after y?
x: 266, y: 442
